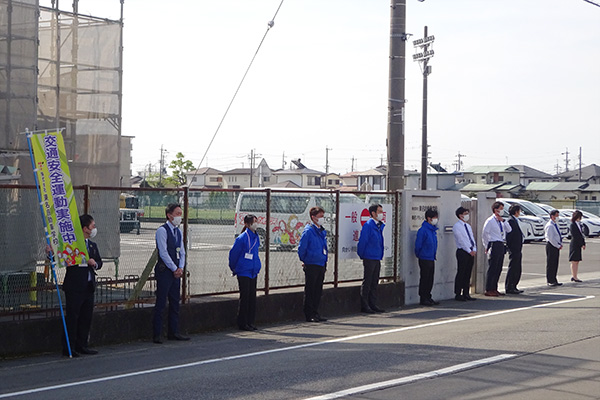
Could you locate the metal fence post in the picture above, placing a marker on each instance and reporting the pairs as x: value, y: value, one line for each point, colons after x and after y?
x: 335, y: 239
x: 268, y: 241
x: 186, y: 209
x: 86, y: 199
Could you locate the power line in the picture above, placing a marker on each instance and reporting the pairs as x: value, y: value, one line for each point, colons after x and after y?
x: 270, y: 24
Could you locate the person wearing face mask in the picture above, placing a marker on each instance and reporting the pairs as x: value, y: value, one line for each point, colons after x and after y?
x: 493, y: 237
x: 514, y: 243
x: 79, y: 286
x: 370, y: 250
x: 244, y: 263
x: 168, y: 271
x: 425, y: 250
x: 465, y: 255
x: 576, y: 245
x: 312, y: 251
x: 553, y: 247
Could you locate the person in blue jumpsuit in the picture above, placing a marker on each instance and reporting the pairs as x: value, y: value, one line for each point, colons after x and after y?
x: 425, y: 250
x: 244, y: 263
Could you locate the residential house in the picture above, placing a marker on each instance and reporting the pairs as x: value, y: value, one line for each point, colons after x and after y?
x: 332, y: 181
x: 205, y: 178
x: 373, y: 179
x: 546, y: 192
x: 435, y: 181
x: 589, y: 174
x: 303, y: 177
x: 350, y: 181
x: 492, y: 174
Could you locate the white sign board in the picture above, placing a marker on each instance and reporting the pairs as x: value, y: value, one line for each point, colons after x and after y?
x: 352, y: 218
x: 418, y: 207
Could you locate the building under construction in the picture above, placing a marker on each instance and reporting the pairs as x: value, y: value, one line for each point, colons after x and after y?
x: 60, y: 69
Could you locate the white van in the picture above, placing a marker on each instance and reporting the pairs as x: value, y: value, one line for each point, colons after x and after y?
x: 289, y: 214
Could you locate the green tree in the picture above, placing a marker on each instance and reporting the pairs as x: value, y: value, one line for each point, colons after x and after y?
x: 179, y: 166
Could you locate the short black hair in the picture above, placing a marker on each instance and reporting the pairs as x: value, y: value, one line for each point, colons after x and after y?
x: 373, y: 208
x: 170, y: 208
x: 314, y: 211
x: 460, y: 211
x: 515, y: 208
x: 497, y: 205
x: 85, y: 220
x: 554, y: 212
x: 431, y: 213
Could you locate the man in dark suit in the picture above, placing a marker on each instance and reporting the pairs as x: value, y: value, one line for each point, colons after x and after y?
x: 79, y: 286
x: 514, y: 242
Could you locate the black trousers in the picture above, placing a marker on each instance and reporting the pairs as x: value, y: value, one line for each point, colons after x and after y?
x: 494, y: 266
x: 368, y: 289
x: 552, y: 255
x: 247, y: 307
x: 313, y: 288
x: 79, y: 309
x: 462, y: 282
x: 427, y: 268
x: 167, y: 286
x: 513, y: 276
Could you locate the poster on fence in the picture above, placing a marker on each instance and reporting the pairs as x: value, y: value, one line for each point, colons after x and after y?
x: 352, y: 218
x: 57, y: 199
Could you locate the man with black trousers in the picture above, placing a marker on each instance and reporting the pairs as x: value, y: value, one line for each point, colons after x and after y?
x: 465, y: 255
x: 79, y: 286
x: 553, y: 247
x: 370, y: 250
x: 514, y: 242
x: 168, y: 271
x: 493, y: 236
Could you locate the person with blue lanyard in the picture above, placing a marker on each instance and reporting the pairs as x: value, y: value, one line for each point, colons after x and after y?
x: 493, y: 237
x: 244, y: 263
x: 465, y: 255
x: 425, y: 250
x: 168, y: 272
x: 370, y: 250
x: 312, y: 251
x: 553, y: 247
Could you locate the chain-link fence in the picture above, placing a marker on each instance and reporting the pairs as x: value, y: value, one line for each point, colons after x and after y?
x: 127, y: 220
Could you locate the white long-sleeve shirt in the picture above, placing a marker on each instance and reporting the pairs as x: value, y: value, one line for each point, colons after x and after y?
x: 552, y: 234
x: 494, y: 231
x: 463, y: 236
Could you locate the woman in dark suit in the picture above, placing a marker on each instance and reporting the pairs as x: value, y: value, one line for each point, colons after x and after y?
x: 577, y: 243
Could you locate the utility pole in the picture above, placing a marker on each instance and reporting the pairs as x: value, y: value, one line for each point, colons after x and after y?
x: 566, y: 154
x: 324, y: 184
x: 352, y: 168
x: 162, y: 164
x: 422, y: 56
x: 459, y: 161
x: 253, y: 155
x: 396, y: 100
x: 283, y: 161
x: 557, y: 166
x: 580, y: 179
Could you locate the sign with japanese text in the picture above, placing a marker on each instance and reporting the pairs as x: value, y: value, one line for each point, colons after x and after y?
x: 352, y: 218
x: 418, y: 207
x: 58, y: 200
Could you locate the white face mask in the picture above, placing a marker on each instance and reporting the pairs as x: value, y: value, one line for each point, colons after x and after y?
x: 434, y: 221
x: 466, y: 218
x: 177, y: 221
x: 253, y: 227
x: 93, y: 233
x: 379, y: 217
x: 320, y: 221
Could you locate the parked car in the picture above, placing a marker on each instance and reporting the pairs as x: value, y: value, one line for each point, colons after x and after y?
x: 561, y: 218
x: 590, y: 222
x: 531, y: 226
x: 533, y: 209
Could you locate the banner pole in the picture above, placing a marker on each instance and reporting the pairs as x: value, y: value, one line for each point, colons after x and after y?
x: 47, y: 235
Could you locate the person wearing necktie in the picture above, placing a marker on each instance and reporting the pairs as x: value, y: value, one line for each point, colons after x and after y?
x: 79, y: 286
x: 493, y: 236
x: 465, y: 255
x: 168, y: 271
x: 514, y: 242
x: 553, y: 247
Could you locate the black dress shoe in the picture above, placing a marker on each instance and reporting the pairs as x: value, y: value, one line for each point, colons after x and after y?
x: 312, y: 319
x: 157, y: 340
x: 246, y: 328
x: 253, y: 327
x: 469, y: 298
x: 555, y: 284
x: 427, y: 302
x: 367, y: 311
x: 513, y: 291
x: 320, y: 319
x: 433, y: 302
x: 177, y: 336
x: 576, y: 280
x: 73, y: 354
x: 87, y: 350
x: 460, y: 297
x: 377, y: 309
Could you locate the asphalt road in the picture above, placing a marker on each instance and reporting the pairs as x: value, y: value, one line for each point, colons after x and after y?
x: 544, y: 344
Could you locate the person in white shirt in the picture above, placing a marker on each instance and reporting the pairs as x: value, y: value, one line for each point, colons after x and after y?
x: 493, y: 236
x: 465, y: 255
x: 553, y: 247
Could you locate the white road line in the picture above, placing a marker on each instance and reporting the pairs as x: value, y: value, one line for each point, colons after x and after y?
x: 414, y: 378
x: 290, y: 348
x: 560, y: 294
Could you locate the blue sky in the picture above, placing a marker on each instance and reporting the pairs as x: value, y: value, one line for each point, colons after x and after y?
x: 514, y: 81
